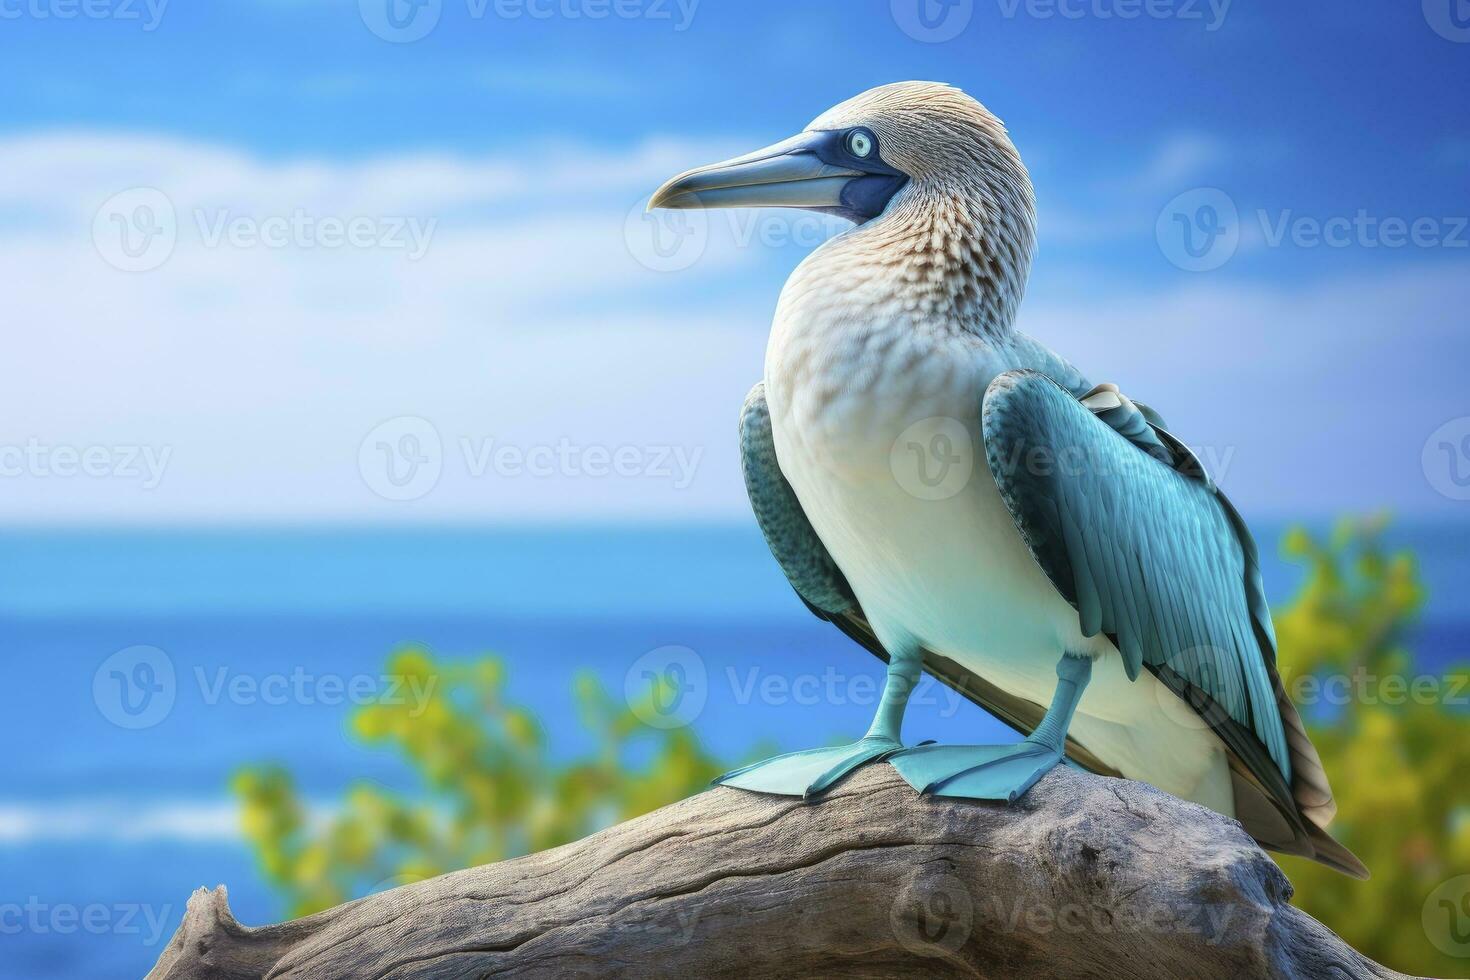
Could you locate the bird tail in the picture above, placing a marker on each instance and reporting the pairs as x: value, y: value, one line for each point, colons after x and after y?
x: 1329, y: 851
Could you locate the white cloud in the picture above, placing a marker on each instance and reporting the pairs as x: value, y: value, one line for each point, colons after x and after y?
x: 258, y: 371
x: 1178, y: 159
x: 126, y: 821
x: 1120, y: 206
x: 68, y: 174
x: 24, y: 824
x: 529, y: 322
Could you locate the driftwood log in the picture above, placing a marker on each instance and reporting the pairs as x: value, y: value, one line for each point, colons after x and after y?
x: 1085, y: 877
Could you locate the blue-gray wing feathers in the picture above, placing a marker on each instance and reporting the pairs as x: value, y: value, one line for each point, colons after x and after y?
x: 790, y: 536
x: 1147, y: 555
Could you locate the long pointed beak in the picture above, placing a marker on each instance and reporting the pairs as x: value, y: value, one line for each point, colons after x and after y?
x: 788, y: 174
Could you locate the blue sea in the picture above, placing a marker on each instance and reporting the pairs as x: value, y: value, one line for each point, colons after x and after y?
x: 114, y: 805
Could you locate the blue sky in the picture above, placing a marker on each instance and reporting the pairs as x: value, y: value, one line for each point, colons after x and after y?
x: 503, y: 295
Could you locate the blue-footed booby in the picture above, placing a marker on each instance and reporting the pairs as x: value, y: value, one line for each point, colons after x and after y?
x: 955, y: 497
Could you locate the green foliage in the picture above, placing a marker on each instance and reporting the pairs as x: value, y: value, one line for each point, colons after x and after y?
x: 492, y: 792
x: 1395, y: 747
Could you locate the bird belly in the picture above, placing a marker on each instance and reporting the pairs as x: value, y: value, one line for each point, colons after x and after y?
x: 907, y: 506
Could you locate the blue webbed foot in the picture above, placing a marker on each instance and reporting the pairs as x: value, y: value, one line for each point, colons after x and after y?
x: 1000, y: 772
x: 810, y: 772
x: 977, y: 772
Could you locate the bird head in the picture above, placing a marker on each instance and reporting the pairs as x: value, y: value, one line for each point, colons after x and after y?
x: 891, y: 144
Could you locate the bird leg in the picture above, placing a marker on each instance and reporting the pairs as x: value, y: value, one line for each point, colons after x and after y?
x: 814, y: 771
x: 1000, y: 772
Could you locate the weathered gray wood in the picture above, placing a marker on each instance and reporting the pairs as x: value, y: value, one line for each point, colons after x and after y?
x: 1085, y: 877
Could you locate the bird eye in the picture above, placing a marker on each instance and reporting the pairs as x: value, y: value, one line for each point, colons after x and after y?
x: 859, y: 143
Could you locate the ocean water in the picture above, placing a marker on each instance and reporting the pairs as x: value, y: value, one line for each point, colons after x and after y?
x: 144, y: 667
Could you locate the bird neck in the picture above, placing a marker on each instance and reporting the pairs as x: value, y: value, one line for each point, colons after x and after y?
x: 953, y: 257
